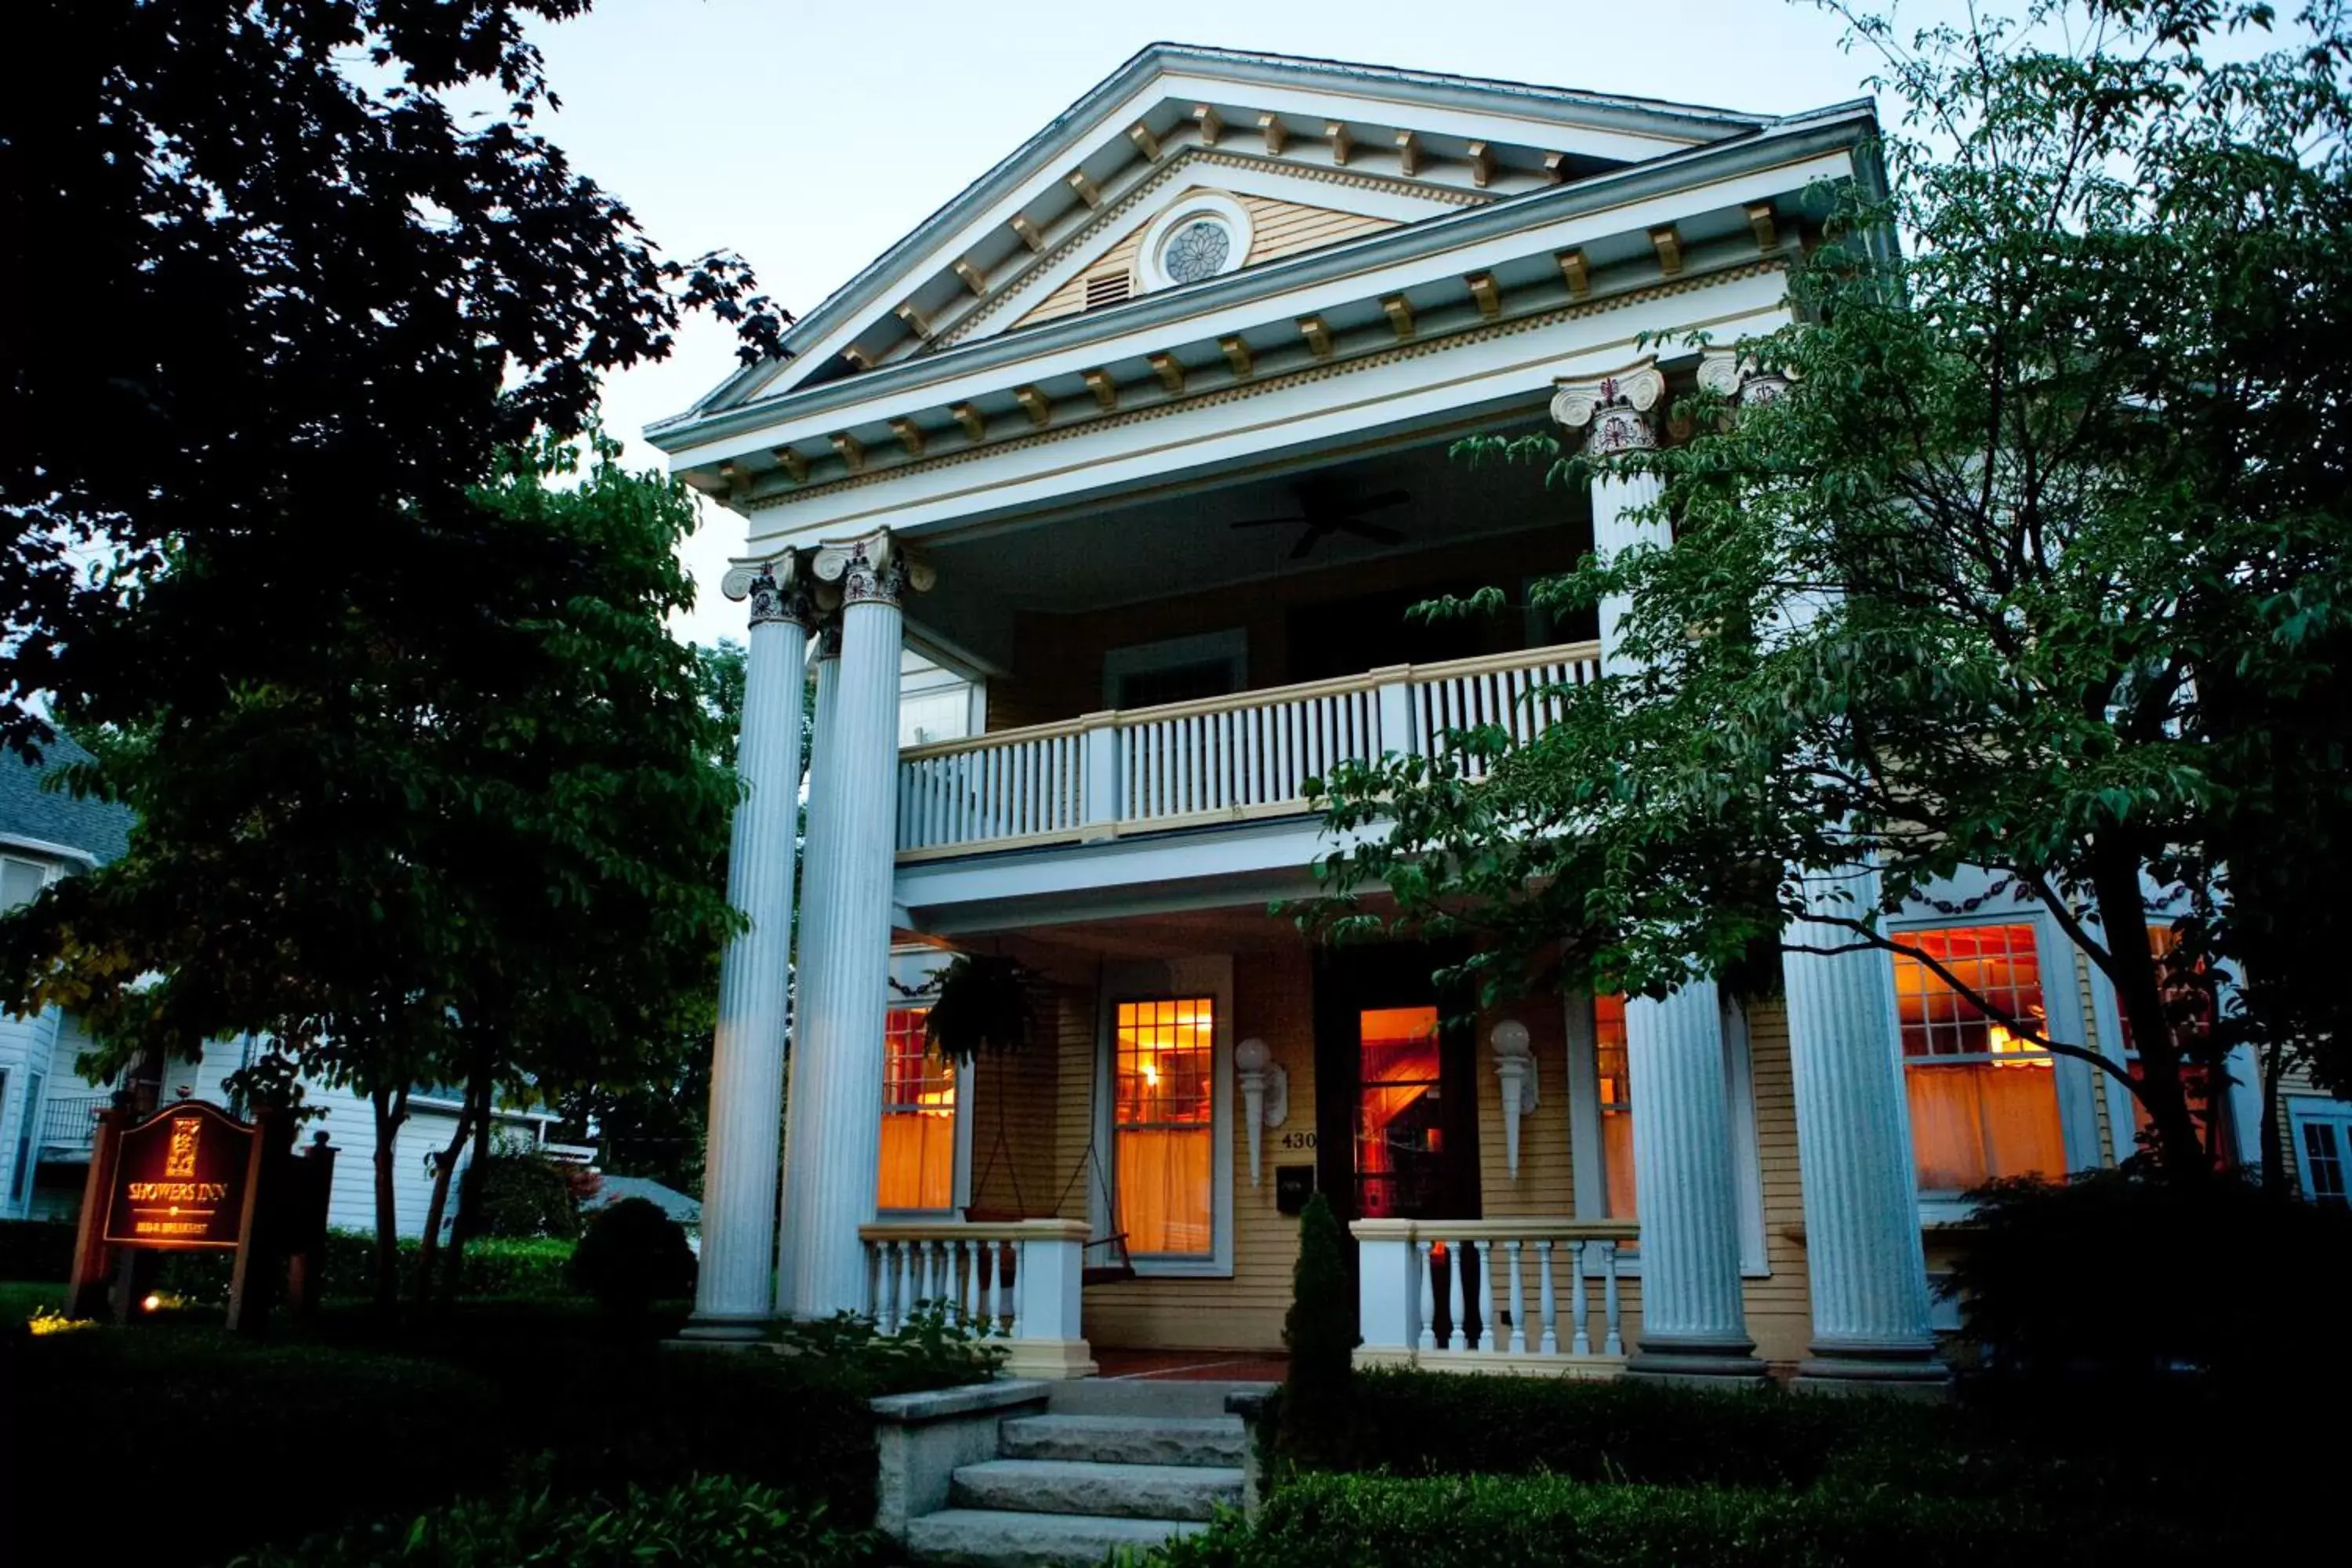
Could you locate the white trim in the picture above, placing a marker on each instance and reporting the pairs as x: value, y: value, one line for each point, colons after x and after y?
x: 1210, y: 976
x: 2303, y: 1110
x: 1231, y: 646
x: 19, y: 842
x: 1151, y: 274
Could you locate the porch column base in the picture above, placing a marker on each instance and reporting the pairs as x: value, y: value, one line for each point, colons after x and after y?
x: 1708, y: 1363
x: 724, y: 1331
x: 1051, y: 1359
x: 1908, y: 1371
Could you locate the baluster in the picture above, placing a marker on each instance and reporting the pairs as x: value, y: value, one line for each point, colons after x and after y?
x: 1490, y: 1332
x: 1579, y: 1341
x: 1519, y: 1302
x: 968, y: 1303
x: 935, y: 1274
x: 1456, y: 1293
x: 1615, y: 1343
x: 1020, y: 1288
x: 871, y: 1289
x: 901, y: 1266
x: 1549, y: 1344
x: 1000, y: 1253
x: 886, y: 1318
x: 1425, y: 1335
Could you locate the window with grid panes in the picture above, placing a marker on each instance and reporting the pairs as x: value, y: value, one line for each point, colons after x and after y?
x: 918, y: 1112
x: 1163, y: 1125
x: 2190, y: 1006
x: 1613, y: 1076
x: 1983, y: 1102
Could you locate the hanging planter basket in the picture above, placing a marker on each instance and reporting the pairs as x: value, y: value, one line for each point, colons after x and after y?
x: 985, y: 1009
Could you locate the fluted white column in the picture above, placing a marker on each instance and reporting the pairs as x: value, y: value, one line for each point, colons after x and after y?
x: 1693, y: 1323
x: 846, y: 978
x: 1868, y: 1270
x: 734, y: 1290
x: 804, y: 1140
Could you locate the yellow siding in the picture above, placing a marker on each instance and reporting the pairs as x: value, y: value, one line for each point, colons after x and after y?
x: 1013, y: 1146
x: 1277, y: 229
x: 1780, y: 1311
x: 1273, y: 1000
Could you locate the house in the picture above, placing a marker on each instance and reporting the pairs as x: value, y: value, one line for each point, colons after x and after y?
x: 48, y: 1111
x: 1143, y: 438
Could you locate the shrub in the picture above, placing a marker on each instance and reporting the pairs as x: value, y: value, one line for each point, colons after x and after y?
x: 35, y: 1249
x: 929, y: 1350
x: 633, y: 1256
x: 1548, y: 1522
x: 709, y: 1521
x: 519, y: 1194
x: 1321, y: 1330
x: 2111, y: 1278
x: 534, y: 1269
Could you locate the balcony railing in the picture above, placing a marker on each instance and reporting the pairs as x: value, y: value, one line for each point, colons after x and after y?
x: 69, y: 1124
x: 1519, y: 1295
x: 1223, y: 759
x: 1016, y: 1281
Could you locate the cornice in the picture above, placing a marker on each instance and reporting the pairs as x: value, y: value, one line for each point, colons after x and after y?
x: 1303, y: 376
x: 1184, y: 159
x: 1405, y: 242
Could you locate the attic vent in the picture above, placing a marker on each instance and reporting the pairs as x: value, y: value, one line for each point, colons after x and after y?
x: 1110, y: 288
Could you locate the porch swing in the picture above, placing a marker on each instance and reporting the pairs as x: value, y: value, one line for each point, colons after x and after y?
x: 1117, y: 1266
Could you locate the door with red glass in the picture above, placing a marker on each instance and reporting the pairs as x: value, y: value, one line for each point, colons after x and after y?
x: 1396, y: 1107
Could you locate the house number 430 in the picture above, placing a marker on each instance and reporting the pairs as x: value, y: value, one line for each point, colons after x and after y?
x: 1298, y: 1139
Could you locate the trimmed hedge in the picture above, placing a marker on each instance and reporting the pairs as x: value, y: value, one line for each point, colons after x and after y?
x: 43, y: 1250
x: 1549, y: 1521
x: 709, y: 1521
x: 537, y: 1400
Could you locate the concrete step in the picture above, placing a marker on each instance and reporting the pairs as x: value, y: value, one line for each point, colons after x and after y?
x: 1170, y: 1396
x: 1190, y: 1440
x: 985, y: 1538
x: 1079, y: 1487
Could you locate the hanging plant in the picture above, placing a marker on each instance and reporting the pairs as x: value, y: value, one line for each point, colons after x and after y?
x: 984, y: 1009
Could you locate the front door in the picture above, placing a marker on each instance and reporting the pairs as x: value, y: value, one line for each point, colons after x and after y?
x: 1396, y: 1103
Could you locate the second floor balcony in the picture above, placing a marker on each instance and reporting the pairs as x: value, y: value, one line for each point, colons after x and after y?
x: 1235, y: 758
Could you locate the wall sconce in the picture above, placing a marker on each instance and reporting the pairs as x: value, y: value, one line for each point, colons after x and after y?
x: 1515, y: 1065
x: 1266, y: 1094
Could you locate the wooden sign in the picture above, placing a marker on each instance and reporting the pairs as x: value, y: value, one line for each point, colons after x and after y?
x: 180, y: 1180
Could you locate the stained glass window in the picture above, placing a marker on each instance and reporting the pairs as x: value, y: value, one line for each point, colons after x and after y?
x: 1196, y: 250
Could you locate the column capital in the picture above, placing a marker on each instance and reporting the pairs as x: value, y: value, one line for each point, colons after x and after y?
x: 1613, y: 410
x: 780, y: 587
x: 1737, y: 377
x: 826, y: 634
x: 876, y: 570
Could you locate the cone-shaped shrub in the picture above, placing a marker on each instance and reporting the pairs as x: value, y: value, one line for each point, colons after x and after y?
x: 1320, y: 1331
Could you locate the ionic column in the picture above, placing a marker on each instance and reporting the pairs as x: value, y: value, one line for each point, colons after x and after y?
x: 734, y: 1290
x: 1867, y: 1271
x: 846, y: 970
x: 805, y: 1137
x: 1694, y: 1324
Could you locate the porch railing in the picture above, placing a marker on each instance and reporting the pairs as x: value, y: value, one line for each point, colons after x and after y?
x: 1455, y: 1290
x: 1017, y: 1280
x: 1222, y: 759
x: 70, y: 1123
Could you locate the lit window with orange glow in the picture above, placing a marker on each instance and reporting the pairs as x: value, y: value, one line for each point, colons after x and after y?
x: 1613, y: 1079
x: 918, y: 1109
x: 2187, y: 1000
x: 1163, y: 1113
x: 1983, y: 1102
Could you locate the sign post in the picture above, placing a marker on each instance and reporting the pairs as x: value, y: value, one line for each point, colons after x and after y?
x: 191, y: 1177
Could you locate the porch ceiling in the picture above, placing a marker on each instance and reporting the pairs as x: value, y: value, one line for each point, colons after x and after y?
x: 1180, y: 539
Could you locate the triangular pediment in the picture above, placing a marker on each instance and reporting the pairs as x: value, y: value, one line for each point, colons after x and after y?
x: 1307, y: 154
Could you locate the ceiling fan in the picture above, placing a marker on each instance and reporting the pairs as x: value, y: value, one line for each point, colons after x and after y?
x: 1323, y: 512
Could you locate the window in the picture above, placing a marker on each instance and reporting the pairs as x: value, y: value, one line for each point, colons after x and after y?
x: 26, y: 1126
x: 1983, y: 1103
x: 20, y: 882
x: 1400, y: 1115
x: 1180, y: 669
x: 1614, y: 1080
x: 918, y: 1119
x: 2323, y: 1147
x: 1163, y: 1125
x: 1202, y: 234
x: 2187, y: 1001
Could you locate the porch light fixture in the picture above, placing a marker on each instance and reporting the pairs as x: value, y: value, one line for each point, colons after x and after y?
x: 1515, y: 1065
x: 1266, y: 1094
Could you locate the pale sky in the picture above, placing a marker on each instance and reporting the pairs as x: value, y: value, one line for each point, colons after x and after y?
x: 811, y: 138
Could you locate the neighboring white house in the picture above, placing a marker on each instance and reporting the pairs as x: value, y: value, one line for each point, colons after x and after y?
x: 1144, y: 438
x: 48, y: 1108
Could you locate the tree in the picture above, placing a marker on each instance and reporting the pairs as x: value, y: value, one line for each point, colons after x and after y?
x: 310, y: 297
x: 2041, y: 566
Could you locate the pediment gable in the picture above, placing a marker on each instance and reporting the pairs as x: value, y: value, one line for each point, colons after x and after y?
x: 1314, y: 154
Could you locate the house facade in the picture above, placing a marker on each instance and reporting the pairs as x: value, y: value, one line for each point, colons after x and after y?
x: 1134, y: 455
x: 48, y: 1109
